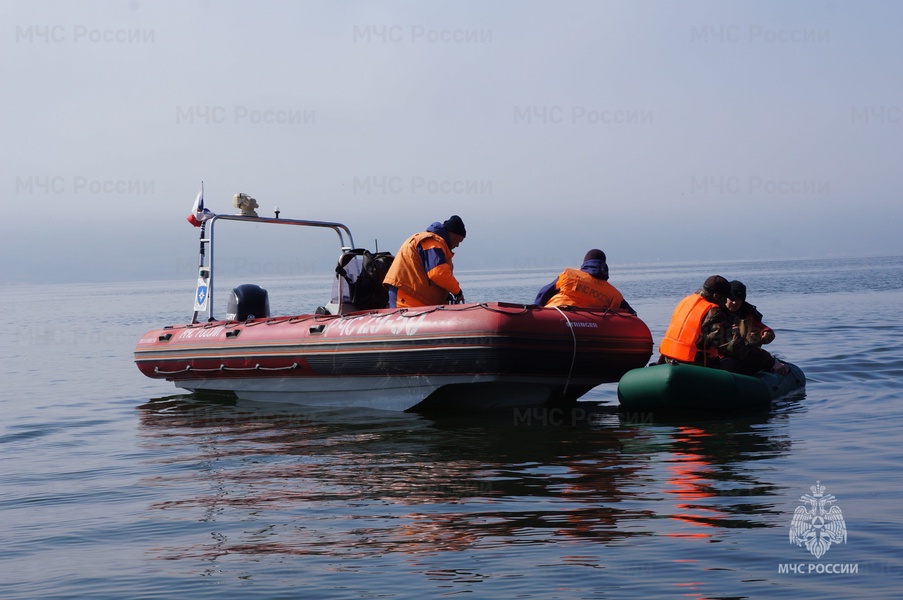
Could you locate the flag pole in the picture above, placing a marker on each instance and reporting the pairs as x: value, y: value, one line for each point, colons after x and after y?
x: 202, y: 290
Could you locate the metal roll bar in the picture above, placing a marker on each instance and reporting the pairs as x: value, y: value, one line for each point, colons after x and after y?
x: 204, y: 293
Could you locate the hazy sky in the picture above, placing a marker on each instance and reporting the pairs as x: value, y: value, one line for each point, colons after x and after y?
x: 655, y: 130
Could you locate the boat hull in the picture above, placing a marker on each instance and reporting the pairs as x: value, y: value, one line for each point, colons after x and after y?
x: 488, y: 355
x: 693, y: 388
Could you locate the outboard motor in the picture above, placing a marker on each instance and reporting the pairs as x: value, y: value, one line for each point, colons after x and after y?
x: 248, y: 301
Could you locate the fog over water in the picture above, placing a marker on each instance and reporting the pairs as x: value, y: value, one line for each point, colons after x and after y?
x: 657, y: 131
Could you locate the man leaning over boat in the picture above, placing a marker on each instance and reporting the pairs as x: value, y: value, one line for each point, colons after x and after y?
x: 587, y: 288
x: 703, y: 332
x: 422, y: 273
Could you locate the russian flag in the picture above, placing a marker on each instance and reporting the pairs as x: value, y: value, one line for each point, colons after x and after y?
x: 199, y: 214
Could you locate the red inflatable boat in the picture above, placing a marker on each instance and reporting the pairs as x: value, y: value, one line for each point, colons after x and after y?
x: 455, y: 356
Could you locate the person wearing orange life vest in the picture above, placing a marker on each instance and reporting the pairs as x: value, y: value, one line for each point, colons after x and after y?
x: 587, y: 287
x: 703, y: 332
x: 422, y: 273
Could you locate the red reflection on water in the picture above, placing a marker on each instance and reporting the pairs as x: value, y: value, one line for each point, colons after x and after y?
x: 690, y: 483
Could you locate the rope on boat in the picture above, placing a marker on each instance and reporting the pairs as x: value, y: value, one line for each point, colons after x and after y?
x: 160, y: 371
x: 401, y: 312
x: 413, y: 312
x: 524, y: 308
x: 574, y: 355
x: 256, y: 367
x: 291, y: 366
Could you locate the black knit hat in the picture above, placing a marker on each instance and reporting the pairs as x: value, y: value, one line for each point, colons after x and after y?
x: 594, y: 254
x: 738, y: 290
x: 716, y: 284
x: 454, y: 224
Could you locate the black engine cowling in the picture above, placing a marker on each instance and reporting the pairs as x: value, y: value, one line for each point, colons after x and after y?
x: 248, y: 301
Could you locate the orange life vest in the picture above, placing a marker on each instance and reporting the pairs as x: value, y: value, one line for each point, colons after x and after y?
x: 577, y: 288
x: 685, y: 329
x: 415, y: 288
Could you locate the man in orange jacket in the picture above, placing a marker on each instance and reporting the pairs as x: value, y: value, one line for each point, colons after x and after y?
x: 703, y: 332
x: 587, y: 288
x: 422, y: 273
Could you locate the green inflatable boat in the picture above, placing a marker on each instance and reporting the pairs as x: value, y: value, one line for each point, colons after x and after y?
x: 690, y: 387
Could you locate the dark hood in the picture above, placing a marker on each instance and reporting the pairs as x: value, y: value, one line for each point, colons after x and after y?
x: 439, y: 230
x: 595, y: 267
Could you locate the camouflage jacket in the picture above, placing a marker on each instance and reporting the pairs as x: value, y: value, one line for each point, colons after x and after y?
x: 720, y: 330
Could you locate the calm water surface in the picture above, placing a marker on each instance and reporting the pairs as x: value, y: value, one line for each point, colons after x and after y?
x: 116, y: 486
